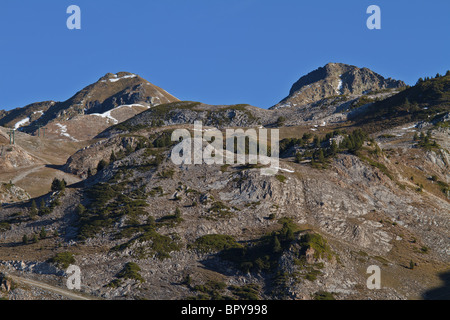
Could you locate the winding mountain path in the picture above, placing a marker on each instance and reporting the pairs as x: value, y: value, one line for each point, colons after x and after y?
x: 63, y: 292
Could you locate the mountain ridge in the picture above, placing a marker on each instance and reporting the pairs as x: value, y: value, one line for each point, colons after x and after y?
x: 140, y: 226
x: 108, y: 93
x: 335, y: 79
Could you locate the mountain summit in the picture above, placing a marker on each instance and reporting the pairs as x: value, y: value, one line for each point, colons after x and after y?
x: 335, y: 79
x: 111, y: 100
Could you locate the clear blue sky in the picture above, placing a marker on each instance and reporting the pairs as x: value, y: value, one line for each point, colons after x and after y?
x: 213, y: 51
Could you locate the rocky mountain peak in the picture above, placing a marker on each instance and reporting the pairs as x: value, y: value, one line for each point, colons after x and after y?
x: 335, y: 79
x: 112, y: 99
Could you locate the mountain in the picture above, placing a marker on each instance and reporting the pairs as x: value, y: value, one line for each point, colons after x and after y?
x: 427, y: 100
x: 187, y: 112
x: 112, y: 99
x: 335, y: 79
x: 20, y: 117
x: 363, y: 180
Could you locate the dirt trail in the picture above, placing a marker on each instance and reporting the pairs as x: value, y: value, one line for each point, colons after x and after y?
x: 63, y: 292
x: 25, y: 173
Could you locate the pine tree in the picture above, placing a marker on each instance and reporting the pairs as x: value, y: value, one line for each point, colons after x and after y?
x: 42, y: 205
x: 33, y: 209
x: 334, y: 148
x: 280, y: 121
x: 43, y: 233
x: 25, y: 239
x: 316, y: 141
x: 276, y: 245
x: 58, y: 185
x: 321, y: 157
x: 80, y: 210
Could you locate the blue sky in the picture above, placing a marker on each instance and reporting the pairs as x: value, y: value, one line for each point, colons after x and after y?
x: 213, y: 51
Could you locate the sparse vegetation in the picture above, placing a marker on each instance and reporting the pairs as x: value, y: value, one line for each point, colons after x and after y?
x: 323, y: 295
x: 63, y: 259
x: 215, y: 243
x: 131, y: 271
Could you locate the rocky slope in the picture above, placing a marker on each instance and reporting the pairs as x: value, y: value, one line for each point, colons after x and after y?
x: 111, y: 100
x: 335, y: 79
x: 141, y: 227
x: 185, y: 226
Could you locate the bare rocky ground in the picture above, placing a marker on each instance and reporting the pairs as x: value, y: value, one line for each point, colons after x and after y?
x: 366, y: 217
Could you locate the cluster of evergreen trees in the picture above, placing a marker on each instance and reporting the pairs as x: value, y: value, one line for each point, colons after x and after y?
x: 425, y: 140
x: 322, y: 148
x: 438, y: 75
x: 43, y: 234
x: 58, y: 185
x: 354, y: 141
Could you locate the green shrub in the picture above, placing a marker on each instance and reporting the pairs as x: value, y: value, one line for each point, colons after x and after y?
x: 63, y: 259
x: 316, y: 242
x: 323, y: 295
x: 262, y: 254
x: 220, y: 209
x: 131, y: 271
x: 58, y: 185
x: 215, y: 243
x: 159, y: 245
x: 166, y: 174
x: 246, y: 292
x: 4, y: 226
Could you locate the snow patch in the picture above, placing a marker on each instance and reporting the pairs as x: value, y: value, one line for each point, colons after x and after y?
x: 410, y: 127
x: 63, y: 131
x: 339, y: 87
x: 285, y: 170
x: 130, y: 76
x: 108, y: 115
x: 21, y: 123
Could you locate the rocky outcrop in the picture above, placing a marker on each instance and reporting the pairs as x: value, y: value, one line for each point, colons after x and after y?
x: 335, y: 79
x: 99, y: 105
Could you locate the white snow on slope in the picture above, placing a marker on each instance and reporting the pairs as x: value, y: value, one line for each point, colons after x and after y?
x: 63, y: 130
x: 21, y: 123
x: 285, y: 170
x: 410, y: 127
x: 124, y: 77
x: 339, y: 87
x: 108, y: 115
